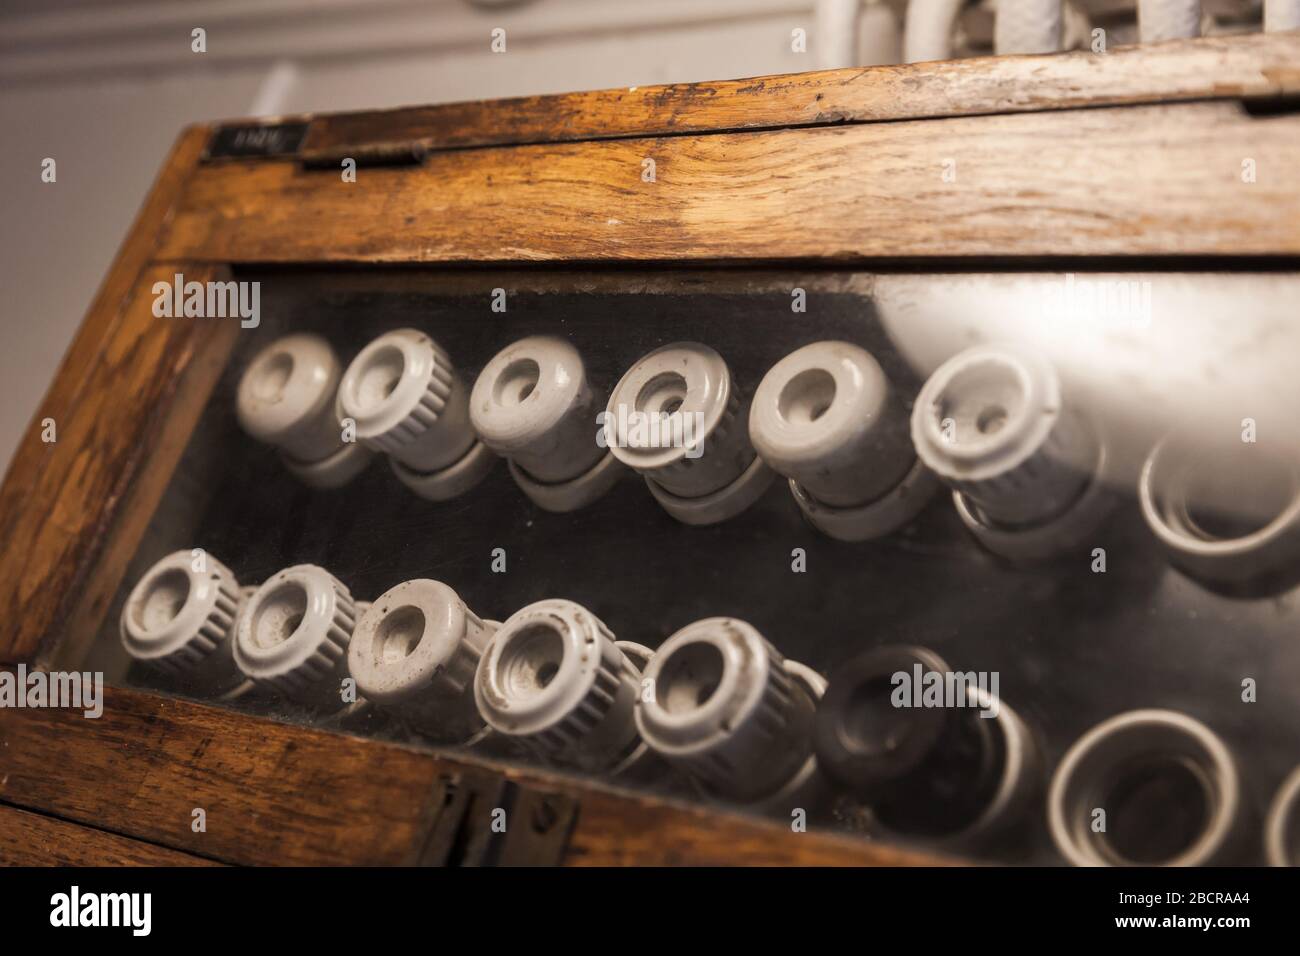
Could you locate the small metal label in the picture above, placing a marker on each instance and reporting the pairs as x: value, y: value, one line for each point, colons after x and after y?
x: 282, y: 139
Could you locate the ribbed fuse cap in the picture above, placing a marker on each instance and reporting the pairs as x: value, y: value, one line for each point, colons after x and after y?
x: 289, y: 397
x: 727, y: 709
x: 678, y: 418
x: 826, y: 417
x: 554, y: 676
x: 416, y: 650
x: 532, y: 404
x: 408, y: 401
x: 293, y: 636
x: 952, y: 771
x: 990, y: 423
x: 180, y: 619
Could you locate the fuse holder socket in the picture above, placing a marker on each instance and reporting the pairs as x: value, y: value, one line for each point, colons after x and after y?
x: 181, y: 621
x: 554, y: 676
x: 288, y: 397
x: 678, y: 419
x: 533, y: 405
x: 293, y: 636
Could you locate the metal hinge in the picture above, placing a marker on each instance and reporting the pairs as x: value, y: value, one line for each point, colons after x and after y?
x: 370, y: 155
x: 483, y: 819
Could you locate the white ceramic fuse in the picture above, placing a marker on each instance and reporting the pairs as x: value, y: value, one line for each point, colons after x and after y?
x: 533, y: 405
x: 678, y: 418
x: 409, y: 403
x: 826, y: 418
x: 415, y: 652
x: 728, y: 709
x: 288, y: 397
x: 554, y: 677
x: 293, y: 636
x: 180, y: 619
x: 1026, y: 471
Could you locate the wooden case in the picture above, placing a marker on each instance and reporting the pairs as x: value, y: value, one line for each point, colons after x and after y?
x: 1130, y: 161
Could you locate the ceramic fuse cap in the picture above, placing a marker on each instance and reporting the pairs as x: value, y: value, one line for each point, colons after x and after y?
x: 182, y: 621
x: 1168, y: 787
x: 1026, y: 474
x: 293, y: 636
x: 415, y: 650
x: 677, y: 418
x: 729, y: 710
x: 827, y: 419
x: 554, y: 677
x: 951, y: 775
x: 532, y: 404
x: 288, y: 397
x: 1226, y: 513
x: 1282, y: 828
x: 408, y: 402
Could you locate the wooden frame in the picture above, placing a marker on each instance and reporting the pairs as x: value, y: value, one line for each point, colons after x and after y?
x: 1073, y: 155
x: 281, y: 793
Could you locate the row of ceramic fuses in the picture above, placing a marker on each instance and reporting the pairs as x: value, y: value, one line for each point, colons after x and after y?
x: 1030, y: 476
x: 825, y: 417
x: 897, y: 743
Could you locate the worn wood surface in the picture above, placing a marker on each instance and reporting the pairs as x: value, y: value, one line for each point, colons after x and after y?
x: 119, y: 428
x: 59, y: 499
x: 1202, y: 68
x: 636, y: 831
x: 278, y: 793
x: 187, y: 370
x: 1044, y: 179
x: 1130, y: 181
x: 30, y: 839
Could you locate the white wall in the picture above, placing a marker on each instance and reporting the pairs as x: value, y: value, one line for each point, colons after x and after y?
x: 103, y: 87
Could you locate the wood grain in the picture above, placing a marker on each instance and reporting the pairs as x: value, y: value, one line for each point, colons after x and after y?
x: 272, y: 793
x: 1040, y: 178
x: 32, y: 456
x: 1130, y: 181
x: 58, y: 499
x: 194, y: 369
x: 51, y: 537
x: 1201, y: 68
x: 278, y: 793
x: 636, y: 831
x: 30, y: 839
